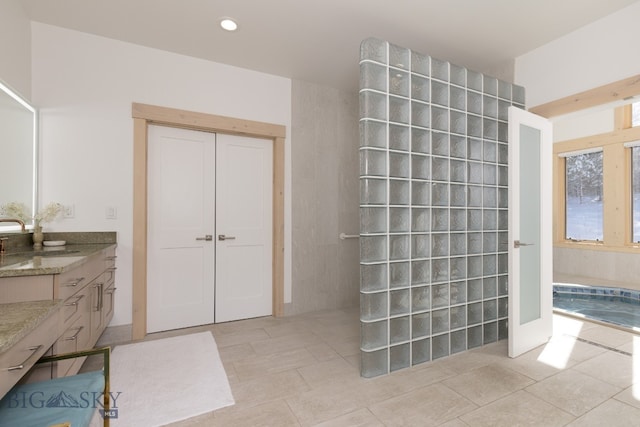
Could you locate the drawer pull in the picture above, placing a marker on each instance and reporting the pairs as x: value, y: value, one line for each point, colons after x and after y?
x: 75, y: 336
x: 112, y: 268
x: 111, y: 258
x: 33, y: 351
x: 78, y: 298
x: 100, y: 287
x: 110, y: 291
x: 74, y: 282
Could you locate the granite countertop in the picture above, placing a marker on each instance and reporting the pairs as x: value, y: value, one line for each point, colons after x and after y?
x: 18, y: 319
x: 48, y: 260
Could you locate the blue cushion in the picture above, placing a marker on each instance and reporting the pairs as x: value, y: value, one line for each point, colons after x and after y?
x: 71, y: 399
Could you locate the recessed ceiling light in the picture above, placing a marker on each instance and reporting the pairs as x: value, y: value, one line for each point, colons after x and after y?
x: 228, y: 24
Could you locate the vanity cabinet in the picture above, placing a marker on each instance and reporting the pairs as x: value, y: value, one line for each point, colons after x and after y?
x: 76, y: 327
x: 87, y: 292
x: 109, y: 290
x: 45, y: 319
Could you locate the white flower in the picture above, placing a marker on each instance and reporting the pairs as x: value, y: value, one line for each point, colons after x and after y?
x: 48, y: 213
x: 20, y: 211
x: 15, y: 210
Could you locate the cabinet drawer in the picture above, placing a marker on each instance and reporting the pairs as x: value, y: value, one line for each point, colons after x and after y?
x: 94, y: 266
x: 110, y: 274
x: 84, y: 338
x: 67, y: 343
x: 72, y: 339
x: 26, y: 288
x: 70, y: 282
x: 110, y: 264
x: 16, y: 361
x: 71, y: 309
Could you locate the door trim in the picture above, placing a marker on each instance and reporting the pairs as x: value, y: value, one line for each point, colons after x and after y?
x: 144, y: 115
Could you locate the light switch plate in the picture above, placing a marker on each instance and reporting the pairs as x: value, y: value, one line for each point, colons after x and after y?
x: 69, y: 211
x: 111, y: 212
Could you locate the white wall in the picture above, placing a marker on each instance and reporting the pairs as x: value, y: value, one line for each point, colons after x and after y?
x: 15, y: 47
x: 600, y: 53
x: 84, y: 86
x: 582, y: 123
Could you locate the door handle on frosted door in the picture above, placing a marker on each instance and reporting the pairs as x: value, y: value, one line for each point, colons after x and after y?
x: 517, y: 244
x: 206, y: 237
x: 223, y: 237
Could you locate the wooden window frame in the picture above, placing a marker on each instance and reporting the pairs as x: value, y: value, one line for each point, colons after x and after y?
x: 619, y: 239
x: 617, y: 206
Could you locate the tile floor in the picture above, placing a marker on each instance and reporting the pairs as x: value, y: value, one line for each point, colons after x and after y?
x: 303, y: 371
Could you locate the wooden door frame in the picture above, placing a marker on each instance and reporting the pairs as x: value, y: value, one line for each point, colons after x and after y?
x: 144, y: 115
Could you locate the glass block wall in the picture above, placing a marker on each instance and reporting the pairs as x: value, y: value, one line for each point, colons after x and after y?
x: 433, y: 207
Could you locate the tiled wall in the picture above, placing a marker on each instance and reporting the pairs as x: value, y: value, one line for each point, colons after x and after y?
x: 433, y: 207
x: 596, y: 267
x: 324, y: 164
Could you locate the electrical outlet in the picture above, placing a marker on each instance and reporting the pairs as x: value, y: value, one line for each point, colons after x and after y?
x: 111, y: 212
x: 69, y: 211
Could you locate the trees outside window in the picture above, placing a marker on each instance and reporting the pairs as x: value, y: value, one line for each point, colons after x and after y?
x: 584, y: 207
x: 593, y: 210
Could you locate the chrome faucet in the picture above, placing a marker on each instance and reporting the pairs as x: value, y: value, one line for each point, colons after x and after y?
x: 17, y: 221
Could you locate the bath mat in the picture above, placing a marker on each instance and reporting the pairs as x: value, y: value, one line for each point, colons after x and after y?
x: 167, y: 380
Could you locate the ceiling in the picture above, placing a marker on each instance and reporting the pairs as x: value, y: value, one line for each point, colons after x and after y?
x: 318, y: 40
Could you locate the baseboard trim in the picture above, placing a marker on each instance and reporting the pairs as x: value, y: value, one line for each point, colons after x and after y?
x: 115, y: 335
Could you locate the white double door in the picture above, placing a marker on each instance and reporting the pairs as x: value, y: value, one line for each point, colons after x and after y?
x: 209, y: 236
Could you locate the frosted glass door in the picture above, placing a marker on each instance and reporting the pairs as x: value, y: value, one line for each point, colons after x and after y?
x: 529, y: 242
x: 530, y: 249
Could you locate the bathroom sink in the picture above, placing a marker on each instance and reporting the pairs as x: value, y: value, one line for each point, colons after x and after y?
x: 55, y: 252
x: 41, y: 258
x: 38, y: 262
x: 49, y: 252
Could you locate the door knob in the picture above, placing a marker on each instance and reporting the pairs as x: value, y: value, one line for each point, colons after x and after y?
x: 517, y: 244
x: 223, y: 237
x: 206, y: 237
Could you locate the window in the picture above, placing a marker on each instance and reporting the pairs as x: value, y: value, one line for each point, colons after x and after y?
x: 635, y: 114
x: 583, y: 196
x: 597, y: 178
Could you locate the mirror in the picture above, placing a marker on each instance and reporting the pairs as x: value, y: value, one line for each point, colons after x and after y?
x: 18, y: 150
